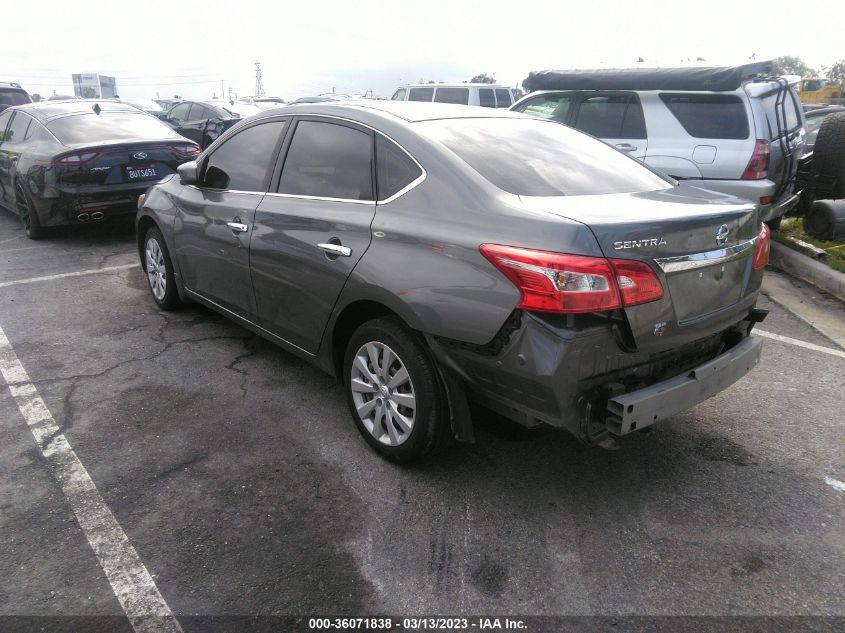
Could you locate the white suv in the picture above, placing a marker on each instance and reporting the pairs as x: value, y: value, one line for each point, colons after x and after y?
x: 484, y: 95
x: 733, y: 130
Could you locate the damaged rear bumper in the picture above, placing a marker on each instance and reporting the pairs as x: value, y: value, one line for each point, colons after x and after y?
x: 639, y: 409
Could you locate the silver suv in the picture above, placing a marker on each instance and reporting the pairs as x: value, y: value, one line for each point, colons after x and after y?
x: 733, y: 130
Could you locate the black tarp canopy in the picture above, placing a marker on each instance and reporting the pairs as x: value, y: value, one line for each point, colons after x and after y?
x: 716, y: 78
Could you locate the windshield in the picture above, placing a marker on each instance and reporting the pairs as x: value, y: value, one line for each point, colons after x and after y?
x: 541, y: 158
x: 13, y: 97
x: 109, y: 126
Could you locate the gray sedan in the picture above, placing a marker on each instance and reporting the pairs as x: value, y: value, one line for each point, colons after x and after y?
x: 429, y: 255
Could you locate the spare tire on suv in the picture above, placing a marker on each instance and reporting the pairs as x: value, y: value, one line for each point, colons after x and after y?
x: 829, y: 153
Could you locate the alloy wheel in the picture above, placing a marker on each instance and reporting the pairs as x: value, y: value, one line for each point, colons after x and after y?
x: 383, y: 393
x: 156, y: 268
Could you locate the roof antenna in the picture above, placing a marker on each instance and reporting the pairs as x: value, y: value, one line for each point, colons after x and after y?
x: 97, y: 109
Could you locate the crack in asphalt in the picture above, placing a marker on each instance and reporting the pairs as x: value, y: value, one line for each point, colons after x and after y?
x: 249, y: 353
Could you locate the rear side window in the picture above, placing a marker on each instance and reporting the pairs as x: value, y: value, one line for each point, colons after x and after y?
x: 611, y: 116
x: 452, y: 95
x: 553, y: 107
x: 420, y: 94
x: 328, y: 160
x: 503, y: 98
x: 18, y: 129
x: 109, y: 126
x: 709, y: 115
x: 395, y: 170
x: 539, y: 158
x: 486, y: 98
x: 244, y: 160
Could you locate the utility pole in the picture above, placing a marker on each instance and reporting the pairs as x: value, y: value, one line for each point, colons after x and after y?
x: 230, y: 93
x: 222, y: 92
x: 259, y: 85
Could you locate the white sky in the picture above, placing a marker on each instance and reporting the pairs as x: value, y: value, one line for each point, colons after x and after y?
x: 355, y: 45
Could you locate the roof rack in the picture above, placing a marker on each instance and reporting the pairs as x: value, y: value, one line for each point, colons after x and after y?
x: 720, y: 79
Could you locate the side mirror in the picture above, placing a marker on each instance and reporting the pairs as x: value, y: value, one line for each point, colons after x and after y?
x: 188, y: 174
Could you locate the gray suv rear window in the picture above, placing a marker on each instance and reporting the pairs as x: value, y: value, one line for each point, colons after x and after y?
x: 530, y: 157
x: 709, y: 115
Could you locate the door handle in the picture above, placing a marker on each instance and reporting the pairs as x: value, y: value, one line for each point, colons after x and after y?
x: 237, y: 227
x: 336, y: 249
x: 626, y: 147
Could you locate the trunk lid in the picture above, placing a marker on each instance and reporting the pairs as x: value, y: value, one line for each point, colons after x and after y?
x: 699, y: 243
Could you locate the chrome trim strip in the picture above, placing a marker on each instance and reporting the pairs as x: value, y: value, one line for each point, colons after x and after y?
x: 302, y: 197
x: 238, y: 317
x: 708, y: 258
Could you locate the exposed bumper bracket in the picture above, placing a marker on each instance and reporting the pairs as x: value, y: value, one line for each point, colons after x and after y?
x: 639, y: 409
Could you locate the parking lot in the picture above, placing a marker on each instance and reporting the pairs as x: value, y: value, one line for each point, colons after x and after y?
x: 241, y: 483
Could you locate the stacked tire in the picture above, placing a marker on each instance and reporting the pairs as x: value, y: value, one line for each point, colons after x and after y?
x: 824, y: 218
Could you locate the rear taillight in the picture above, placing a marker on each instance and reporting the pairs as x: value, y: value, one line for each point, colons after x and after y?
x: 758, y: 166
x: 558, y: 282
x: 764, y: 245
x: 73, y: 160
x: 186, y: 150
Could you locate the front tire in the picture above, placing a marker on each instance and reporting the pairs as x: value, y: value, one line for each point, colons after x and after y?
x: 29, y: 216
x: 393, y: 392
x: 159, y: 270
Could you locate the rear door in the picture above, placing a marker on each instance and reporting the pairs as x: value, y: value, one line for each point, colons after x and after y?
x: 309, y: 234
x: 787, y: 140
x: 614, y: 117
x: 214, y: 219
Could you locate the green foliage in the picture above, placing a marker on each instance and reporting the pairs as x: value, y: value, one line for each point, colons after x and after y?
x: 836, y: 73
x: 790, y: 65
x: 483, y: 78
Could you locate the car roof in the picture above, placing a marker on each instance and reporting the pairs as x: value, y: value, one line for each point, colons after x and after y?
x: 455, y: 85
x: 45, y: 111
x: 409, y: 111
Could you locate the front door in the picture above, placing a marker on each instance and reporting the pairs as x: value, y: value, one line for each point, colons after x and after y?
x: 214, y: 219
x: 310, y: 233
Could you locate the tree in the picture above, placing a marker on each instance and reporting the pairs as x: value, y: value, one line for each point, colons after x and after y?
x: 483, y: 78
x: 836, y: 73
x: 789, y: 65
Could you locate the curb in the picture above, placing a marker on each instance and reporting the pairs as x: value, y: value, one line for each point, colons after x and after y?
x: 799, y: 265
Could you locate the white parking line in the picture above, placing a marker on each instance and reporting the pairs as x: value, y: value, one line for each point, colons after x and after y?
x: 131, y: 582
x: 78, y: 273
x: 834, y: 483
x: 795, y: 341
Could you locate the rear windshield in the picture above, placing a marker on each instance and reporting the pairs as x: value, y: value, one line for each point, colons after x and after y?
x: 109, y: 126
x: 709, y: 115
x: 541, y: 158
x: 13, y: 97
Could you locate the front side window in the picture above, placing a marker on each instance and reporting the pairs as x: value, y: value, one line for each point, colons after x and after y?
x: 18, y: 129
x: 529, y: 157
x: 395, y: 170
x: 244, y: 161
x: 709, y: 115
x: 503, y: 98
x: 611, y: 116
x: 552, y: 107
x: 399, y: 95
x: 328, y: 160
x: 13, y: 97
x: 421, y: 94
x: 452, y: 95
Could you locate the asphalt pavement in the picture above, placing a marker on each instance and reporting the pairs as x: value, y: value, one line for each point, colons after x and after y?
x: 241, y: 483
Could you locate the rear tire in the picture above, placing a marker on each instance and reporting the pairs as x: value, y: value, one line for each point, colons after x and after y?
x: 159, y: 270
x: 29, y: 216
x: 393, y: 392
x: 829, y: 152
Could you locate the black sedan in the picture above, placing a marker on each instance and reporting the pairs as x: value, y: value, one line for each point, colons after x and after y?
x: 200, y: 122
x: 72, y: 162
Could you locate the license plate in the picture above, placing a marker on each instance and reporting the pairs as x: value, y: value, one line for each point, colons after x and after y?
x: 141, y: 173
